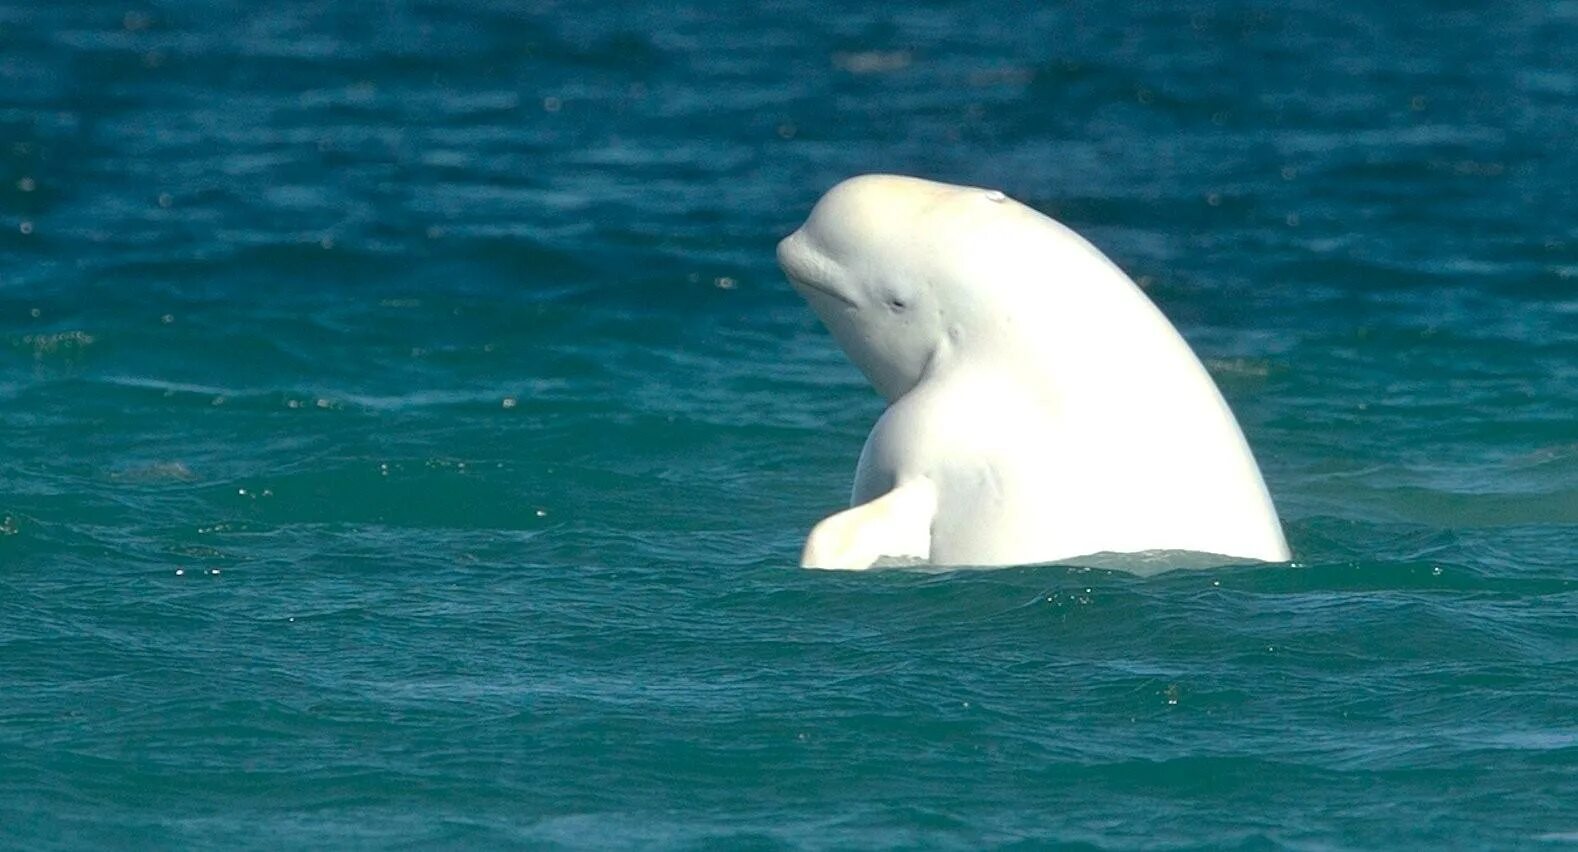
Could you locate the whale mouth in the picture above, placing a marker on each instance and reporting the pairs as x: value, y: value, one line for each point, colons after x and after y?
x: 823, y: 289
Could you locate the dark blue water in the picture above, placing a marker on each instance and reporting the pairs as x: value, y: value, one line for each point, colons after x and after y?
x: 408, y: 438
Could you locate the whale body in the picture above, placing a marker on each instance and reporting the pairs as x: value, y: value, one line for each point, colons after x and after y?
x: 1040, y: 407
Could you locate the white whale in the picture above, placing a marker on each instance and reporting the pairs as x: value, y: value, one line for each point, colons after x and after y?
x: 1040, y: 407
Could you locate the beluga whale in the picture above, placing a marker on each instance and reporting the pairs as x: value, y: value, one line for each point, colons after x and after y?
x: 1040, y: 407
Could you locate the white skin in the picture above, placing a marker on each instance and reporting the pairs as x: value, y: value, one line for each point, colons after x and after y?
x: 1040, y: 407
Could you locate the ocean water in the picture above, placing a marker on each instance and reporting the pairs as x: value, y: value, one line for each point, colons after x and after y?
x: 408, y: 438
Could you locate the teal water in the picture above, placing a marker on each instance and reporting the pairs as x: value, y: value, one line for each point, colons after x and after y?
x: 408, y: 438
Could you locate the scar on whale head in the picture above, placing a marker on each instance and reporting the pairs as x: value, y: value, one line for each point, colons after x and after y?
x: 1040, y: 407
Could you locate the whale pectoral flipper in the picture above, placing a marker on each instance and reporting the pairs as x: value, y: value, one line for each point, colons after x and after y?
x: 895, y: 525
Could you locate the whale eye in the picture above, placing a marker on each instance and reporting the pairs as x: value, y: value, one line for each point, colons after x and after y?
x: 897, y: 303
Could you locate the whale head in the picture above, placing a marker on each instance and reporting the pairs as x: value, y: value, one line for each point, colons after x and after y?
x: 877, y: 261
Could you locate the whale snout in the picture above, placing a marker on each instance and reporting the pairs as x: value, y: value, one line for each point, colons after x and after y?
x: 786, y: 249
x: 808, y: 269
x: 794, y: 256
